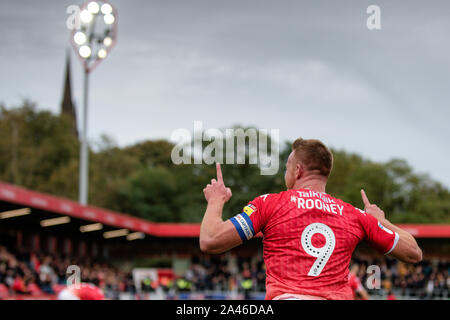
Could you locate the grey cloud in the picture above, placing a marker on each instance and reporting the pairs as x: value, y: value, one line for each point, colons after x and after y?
x: 309, y: 68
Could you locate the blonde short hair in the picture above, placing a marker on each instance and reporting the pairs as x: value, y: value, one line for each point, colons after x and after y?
x: 314, y: 155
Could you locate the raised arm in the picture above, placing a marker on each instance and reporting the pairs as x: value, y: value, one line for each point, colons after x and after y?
x: 216, y: 235
x: 406, y: 249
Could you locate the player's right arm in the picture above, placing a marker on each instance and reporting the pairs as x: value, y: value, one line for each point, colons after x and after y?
x: 218, y: 236
x: 404, y: 246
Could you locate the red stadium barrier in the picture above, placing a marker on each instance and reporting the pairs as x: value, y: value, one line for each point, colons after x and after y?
x: 21, y: 196
x: 428, y: 231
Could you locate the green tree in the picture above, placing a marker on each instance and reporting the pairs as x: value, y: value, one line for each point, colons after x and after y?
x: 150, y: 194
x: 34, y: 144
x: 39, y: 151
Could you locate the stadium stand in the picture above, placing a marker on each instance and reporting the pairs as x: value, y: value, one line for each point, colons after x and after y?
x: 34, y: 258
x: 37, y: 275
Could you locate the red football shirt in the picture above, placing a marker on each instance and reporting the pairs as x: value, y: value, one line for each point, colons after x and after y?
x: 309, y: 238
x: 87, y: 291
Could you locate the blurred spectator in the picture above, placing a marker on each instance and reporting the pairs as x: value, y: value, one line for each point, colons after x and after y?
x: 391, y: 296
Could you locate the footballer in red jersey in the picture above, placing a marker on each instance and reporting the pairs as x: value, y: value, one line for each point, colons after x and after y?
x: 359, y: 293
x: 309, y: 236
x: 83, y: 291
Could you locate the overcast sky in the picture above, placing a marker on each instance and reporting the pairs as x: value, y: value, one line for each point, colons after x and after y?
x: 309, y: 68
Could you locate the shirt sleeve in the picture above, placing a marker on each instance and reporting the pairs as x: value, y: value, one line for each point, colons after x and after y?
x: 380, y: 237
x: 252, y: 219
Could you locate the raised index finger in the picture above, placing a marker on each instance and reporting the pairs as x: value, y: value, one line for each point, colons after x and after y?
x: 219, y: 173
x: 365, y: 199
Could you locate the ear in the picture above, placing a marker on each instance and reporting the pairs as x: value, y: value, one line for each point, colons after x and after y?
x: 298, y: 171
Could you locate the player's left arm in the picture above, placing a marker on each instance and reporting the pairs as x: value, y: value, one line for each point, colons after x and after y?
x: 405, y: 247
x: 216, y: 235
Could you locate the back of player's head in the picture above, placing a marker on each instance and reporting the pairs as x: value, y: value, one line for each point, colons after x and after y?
x: 314, y: 155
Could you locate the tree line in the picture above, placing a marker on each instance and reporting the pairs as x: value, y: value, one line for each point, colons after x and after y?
x: 39, y: 151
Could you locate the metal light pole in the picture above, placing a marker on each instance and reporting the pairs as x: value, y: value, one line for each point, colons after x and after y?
x: 84, y: 153
x: 92, y: 40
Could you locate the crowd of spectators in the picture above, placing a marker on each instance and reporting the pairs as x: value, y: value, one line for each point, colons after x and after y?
x: 428, y: 279
x: 226, y: 273
x: 24, y: 272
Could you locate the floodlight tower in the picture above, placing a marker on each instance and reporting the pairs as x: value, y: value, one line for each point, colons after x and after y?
x: 92, y: 39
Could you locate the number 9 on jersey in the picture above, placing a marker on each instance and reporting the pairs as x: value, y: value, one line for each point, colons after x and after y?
x: 322, y: 254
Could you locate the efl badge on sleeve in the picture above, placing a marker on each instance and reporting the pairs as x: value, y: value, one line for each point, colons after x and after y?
x: 249, y: 209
